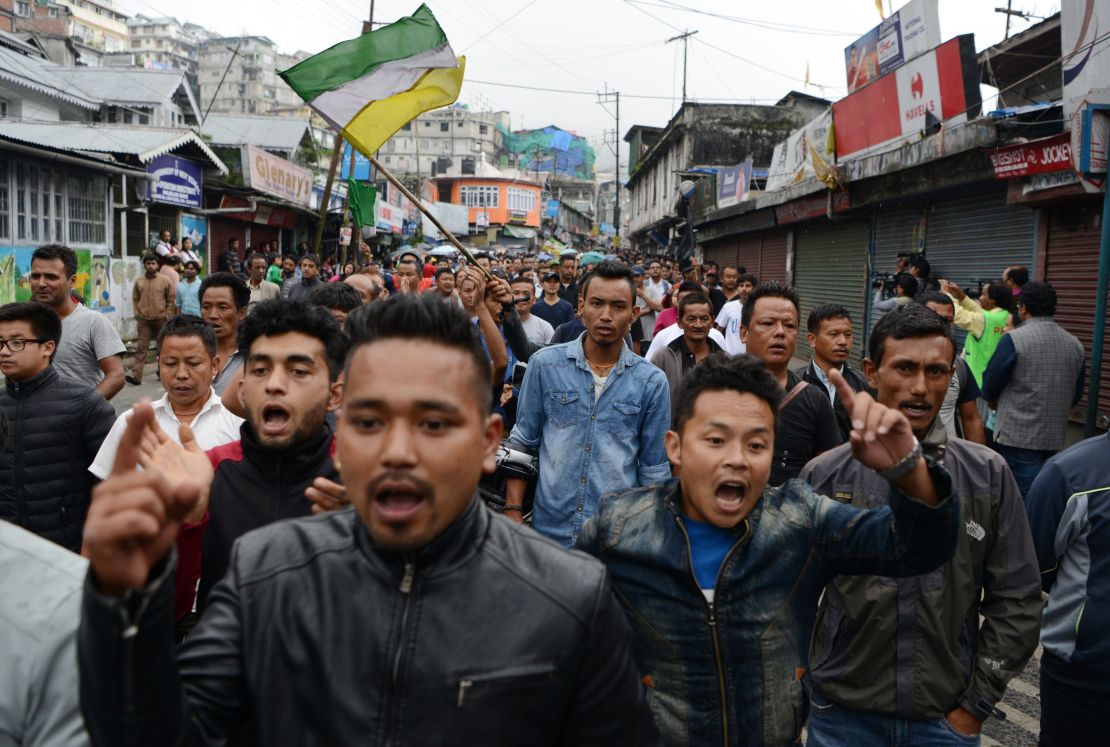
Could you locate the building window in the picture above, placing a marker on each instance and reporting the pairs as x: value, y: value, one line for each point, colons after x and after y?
x: 481, y: 196
x: 521, y: 199
x: 3, y: 107
x: 23, y: 8
x: 406, y: 126
x: 443, y: 126
x: 427, y: 124
x: 87, y: 208
x: 483, y: 129
x: 20, y: 201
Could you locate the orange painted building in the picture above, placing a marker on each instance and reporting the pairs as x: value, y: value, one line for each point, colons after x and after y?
x: 504, y: 201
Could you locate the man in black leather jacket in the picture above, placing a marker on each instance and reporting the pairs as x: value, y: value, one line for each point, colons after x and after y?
x: 417, y: 618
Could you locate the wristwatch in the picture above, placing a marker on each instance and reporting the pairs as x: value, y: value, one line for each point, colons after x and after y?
x: 903, y: 466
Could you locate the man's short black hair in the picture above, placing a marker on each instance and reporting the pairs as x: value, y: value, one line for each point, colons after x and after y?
x: 719, y: 372
x: 444, y: 270
x: 690, y: 286
x: 692, y: 300
x: 1018, y: 275
x: 610, y: 270
x: 522, y: 279
x: 421, y: 317
x: 67, y: 256
x: 151, y: 258
x: 906, y: 322
x: 311, y: 258
x: 922, y: 265
x: 188, y: 325
x: 567, y: 256
x: 280, y: 316
x: 240, y: 293
x: 1002, y: 295
x: 256, y: 255
x: 824, y: 312
x: 747, y: 277
x: 907, y: 282
x: 192, y: 263
x: 335, y: 296
x: 1039, y: 299
x: 44, y: 321
x: 772, y: 289
x: 927, y: 297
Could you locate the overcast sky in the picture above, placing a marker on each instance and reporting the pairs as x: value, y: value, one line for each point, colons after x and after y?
x: 759, y: 53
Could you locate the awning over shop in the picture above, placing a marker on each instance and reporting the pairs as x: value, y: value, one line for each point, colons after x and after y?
x: 126, y: 144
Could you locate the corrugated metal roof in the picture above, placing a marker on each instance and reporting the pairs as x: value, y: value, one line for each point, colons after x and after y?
x: 272, y: 132
x: 122, y: 85
x: 145, y: 143
x: 39, y: 75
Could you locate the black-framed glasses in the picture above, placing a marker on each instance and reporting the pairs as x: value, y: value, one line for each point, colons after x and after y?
x: 18, y: 344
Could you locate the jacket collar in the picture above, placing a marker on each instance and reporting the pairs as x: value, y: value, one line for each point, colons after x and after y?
x: 459, y: 542
x: 679, y: 345
x: 577, y: 352
x: 26, y: 388
x: 297, y: 459
x: 672, y: 498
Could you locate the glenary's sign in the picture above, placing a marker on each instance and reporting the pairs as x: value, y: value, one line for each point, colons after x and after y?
x: 1036, y: 157
x: 272, y: 175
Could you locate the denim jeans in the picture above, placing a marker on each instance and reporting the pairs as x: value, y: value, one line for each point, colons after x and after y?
x: 1025, y: 464
x: 831, y: 725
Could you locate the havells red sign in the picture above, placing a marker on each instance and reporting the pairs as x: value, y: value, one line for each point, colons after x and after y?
x: 943, y: 83
x: 1036, y: 157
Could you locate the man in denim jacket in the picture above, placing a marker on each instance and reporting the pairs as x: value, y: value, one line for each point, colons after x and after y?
x: 594, y: 411
x: 720, y: 575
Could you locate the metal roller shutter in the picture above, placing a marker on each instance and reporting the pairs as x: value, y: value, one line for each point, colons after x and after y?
x: 763, y: 254
x: 976, y: 237
x: 221, y: 231
x: 830, y: 266
x: 721, y: 251
x: 896, y: 229
x: 1071, y: 266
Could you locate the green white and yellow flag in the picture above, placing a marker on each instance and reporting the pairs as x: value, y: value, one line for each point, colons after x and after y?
x: 369, y: 87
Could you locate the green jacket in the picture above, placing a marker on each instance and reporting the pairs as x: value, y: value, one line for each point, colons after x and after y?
x: 914, y: 647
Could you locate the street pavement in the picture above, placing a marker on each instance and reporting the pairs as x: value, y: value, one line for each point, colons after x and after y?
x: 151, y: 388
x: 1022, y: 703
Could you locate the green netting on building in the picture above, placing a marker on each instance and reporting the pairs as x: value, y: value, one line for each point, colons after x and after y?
x: 551, y: 150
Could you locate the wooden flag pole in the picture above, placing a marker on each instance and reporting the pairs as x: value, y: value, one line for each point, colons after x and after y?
x: 424, y: 209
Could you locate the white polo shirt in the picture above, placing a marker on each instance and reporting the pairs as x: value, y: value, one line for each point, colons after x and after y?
x: 729, y: 321
x: 213, y: 426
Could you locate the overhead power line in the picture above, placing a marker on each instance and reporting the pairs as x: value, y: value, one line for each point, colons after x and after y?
x: 788, y: 28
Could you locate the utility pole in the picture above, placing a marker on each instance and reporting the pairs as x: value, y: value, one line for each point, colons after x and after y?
x: 601, y: 99
x: 685, y: 37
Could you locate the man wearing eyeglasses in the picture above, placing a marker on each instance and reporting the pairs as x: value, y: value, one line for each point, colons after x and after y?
x: 56, y: 423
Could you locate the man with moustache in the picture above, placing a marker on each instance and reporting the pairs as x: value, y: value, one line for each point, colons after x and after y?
x: 694, y: 345
x: 829, y: 332
x: 926, y: 658
x: 224, y: 300
x: 360, y: 624
x: 807, y: 425
x: 594, y: 411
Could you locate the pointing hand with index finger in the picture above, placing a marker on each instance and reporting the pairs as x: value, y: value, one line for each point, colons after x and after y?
x: 881, y: 437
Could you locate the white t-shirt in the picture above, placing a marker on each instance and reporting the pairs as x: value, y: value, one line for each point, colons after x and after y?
x: 213, y: 426
x: 538, y: 330
x: 729, y: 321
x: 599, y: 385
x: 667, y: 335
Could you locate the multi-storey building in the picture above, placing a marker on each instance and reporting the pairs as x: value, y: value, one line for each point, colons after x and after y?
x: 162, y: 44
x: 447, y: 142
x: 95, y: 23
x: 251, y: 84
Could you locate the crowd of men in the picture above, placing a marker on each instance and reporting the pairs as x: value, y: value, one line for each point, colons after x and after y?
x: 354, y: 507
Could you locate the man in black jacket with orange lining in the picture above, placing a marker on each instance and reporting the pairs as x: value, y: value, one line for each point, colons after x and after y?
x: 419, y: 617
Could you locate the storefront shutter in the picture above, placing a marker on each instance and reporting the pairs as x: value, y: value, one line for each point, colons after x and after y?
x: 830, y: 262
x: 1071, y: 266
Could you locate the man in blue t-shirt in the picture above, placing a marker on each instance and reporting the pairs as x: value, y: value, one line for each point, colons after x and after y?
x: 188, y: 290
x: 552, y: 309
x: 723, y: 650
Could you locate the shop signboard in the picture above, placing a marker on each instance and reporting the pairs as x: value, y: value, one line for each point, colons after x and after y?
x: 1035, y: 157
x: 264, y: 172
x: 732, y: 183
x: 911, y: 31
x: 941, y: 85
x: 177, y: 181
